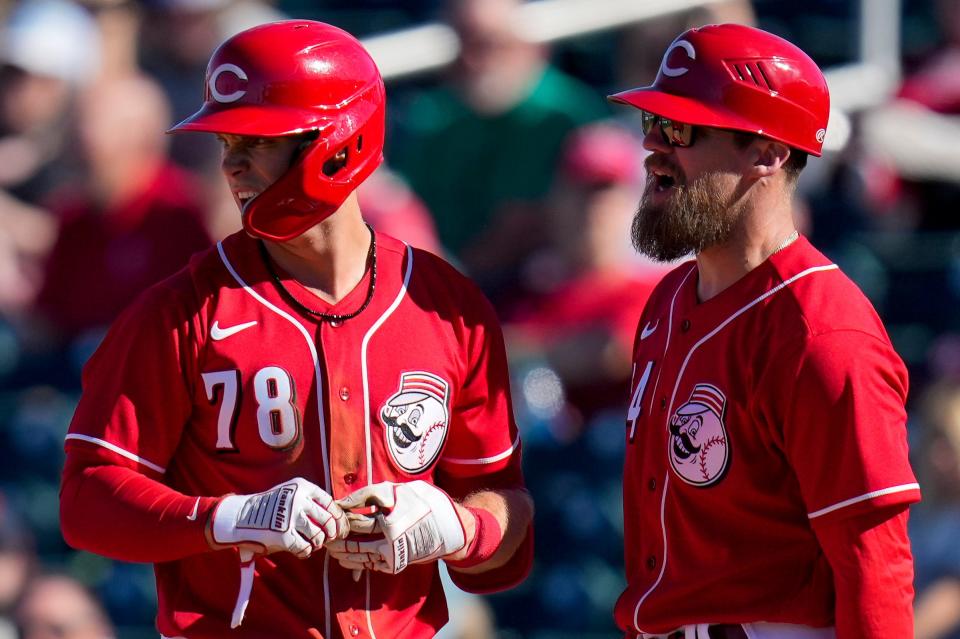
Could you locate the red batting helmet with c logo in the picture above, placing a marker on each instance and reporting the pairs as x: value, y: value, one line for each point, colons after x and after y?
x: 293, y: 77
x: 731, y: 76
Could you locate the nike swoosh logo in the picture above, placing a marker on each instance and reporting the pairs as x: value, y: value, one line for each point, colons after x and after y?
x: 648, y: 330
x: 218, y: 333
x: 193, y: 516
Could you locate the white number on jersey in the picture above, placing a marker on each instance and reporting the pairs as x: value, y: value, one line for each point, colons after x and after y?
x: 229, y: 408
x: 277, y: 415
x: 636, y: 408
x: 278, y: 420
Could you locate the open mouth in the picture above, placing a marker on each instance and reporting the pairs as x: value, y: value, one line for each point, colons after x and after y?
x: 245, y: 196
x: 662, y: 181
x: 683, y: 447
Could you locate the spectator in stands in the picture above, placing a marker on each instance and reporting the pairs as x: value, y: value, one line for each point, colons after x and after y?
x: 586, y: 290
x: 935, y: 522
x: 918, y: 184
x: 59, y: 607
x: 491, y: 135
x: 132, y: 221
x: 48, y: 49
x: 390, y: 206
x: 17, y: 562
x: 936, y: 83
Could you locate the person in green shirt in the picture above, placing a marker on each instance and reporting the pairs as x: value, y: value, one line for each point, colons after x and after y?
x: 488, y: 139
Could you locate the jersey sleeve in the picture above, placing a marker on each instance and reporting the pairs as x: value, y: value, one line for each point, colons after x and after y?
x: 870, y: 557
x: 844, y: 424
x: 484, y: 438
x: 136, y: 396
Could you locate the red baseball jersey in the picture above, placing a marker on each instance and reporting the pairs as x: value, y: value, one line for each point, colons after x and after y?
x: 212, y: 383
x: 753, y: 415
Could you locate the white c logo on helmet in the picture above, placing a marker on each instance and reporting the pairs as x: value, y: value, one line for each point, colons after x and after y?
x: 673, y: 72
x: 229, y: 97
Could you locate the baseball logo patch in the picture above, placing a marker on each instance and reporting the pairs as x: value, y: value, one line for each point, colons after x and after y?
x: 698, y: 447
x: 416, y: 420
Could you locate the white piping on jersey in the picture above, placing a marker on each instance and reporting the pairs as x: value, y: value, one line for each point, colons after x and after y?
x: 854, y: 500
x: 663, y: 564
x: 666, y: 479
x: 666, y: 344
x: 363, y: 359
x: 319, y: 378
x: 366, y: 394
x: 776, y: 289
x: 486, y: 460
x: 117, y: 450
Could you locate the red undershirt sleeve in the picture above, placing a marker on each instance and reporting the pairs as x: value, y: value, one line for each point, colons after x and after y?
x: 118, y: 512
x: 873, y: 573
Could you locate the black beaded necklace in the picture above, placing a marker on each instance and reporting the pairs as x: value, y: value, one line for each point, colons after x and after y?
x: 327, y: 317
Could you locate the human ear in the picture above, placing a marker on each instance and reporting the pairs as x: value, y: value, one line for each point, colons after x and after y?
x: 769, y: 156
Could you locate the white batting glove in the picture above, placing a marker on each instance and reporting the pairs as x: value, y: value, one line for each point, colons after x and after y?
x: 296, y: 516
x: 418, y: 522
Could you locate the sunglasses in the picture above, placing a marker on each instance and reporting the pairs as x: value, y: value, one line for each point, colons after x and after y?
x: 674, y: 133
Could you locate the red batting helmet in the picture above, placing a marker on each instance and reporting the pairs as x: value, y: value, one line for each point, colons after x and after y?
x: 731, y: 76
x: 293, y: 77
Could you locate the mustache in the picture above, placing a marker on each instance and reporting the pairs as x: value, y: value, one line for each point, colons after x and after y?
x: 393, y: 425
x: 658, y: 161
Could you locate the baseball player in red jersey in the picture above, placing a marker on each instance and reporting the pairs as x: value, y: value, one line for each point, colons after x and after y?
x: 299, y: 424
x: 766, y: 480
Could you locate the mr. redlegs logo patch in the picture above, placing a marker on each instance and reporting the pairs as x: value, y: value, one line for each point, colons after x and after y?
x: 416, y: 420
x: 698, y: 448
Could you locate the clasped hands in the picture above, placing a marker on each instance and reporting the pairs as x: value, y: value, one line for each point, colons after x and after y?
x: 403, y: 523
x: 412, y: 523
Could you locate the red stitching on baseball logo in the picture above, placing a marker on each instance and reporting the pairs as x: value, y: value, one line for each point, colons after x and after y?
x: 703, y: 453
x: 423, y: 441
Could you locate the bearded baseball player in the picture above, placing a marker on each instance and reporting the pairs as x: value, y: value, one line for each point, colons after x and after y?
x: 766, y: 481
x: 297, y: 426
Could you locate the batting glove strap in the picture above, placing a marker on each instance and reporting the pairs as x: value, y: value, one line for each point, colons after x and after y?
x: 245, y: 518
x: 444, y: 525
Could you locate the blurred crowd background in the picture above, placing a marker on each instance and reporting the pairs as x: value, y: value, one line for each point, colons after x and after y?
x: 503, y: 156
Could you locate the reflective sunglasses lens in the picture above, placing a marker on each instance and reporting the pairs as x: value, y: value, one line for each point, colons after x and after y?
x: 647, y: 120
x: 680, y: 134
x: 677, y: 133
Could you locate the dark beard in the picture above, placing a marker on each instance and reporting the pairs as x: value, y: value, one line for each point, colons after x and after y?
x: 696, y: 217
